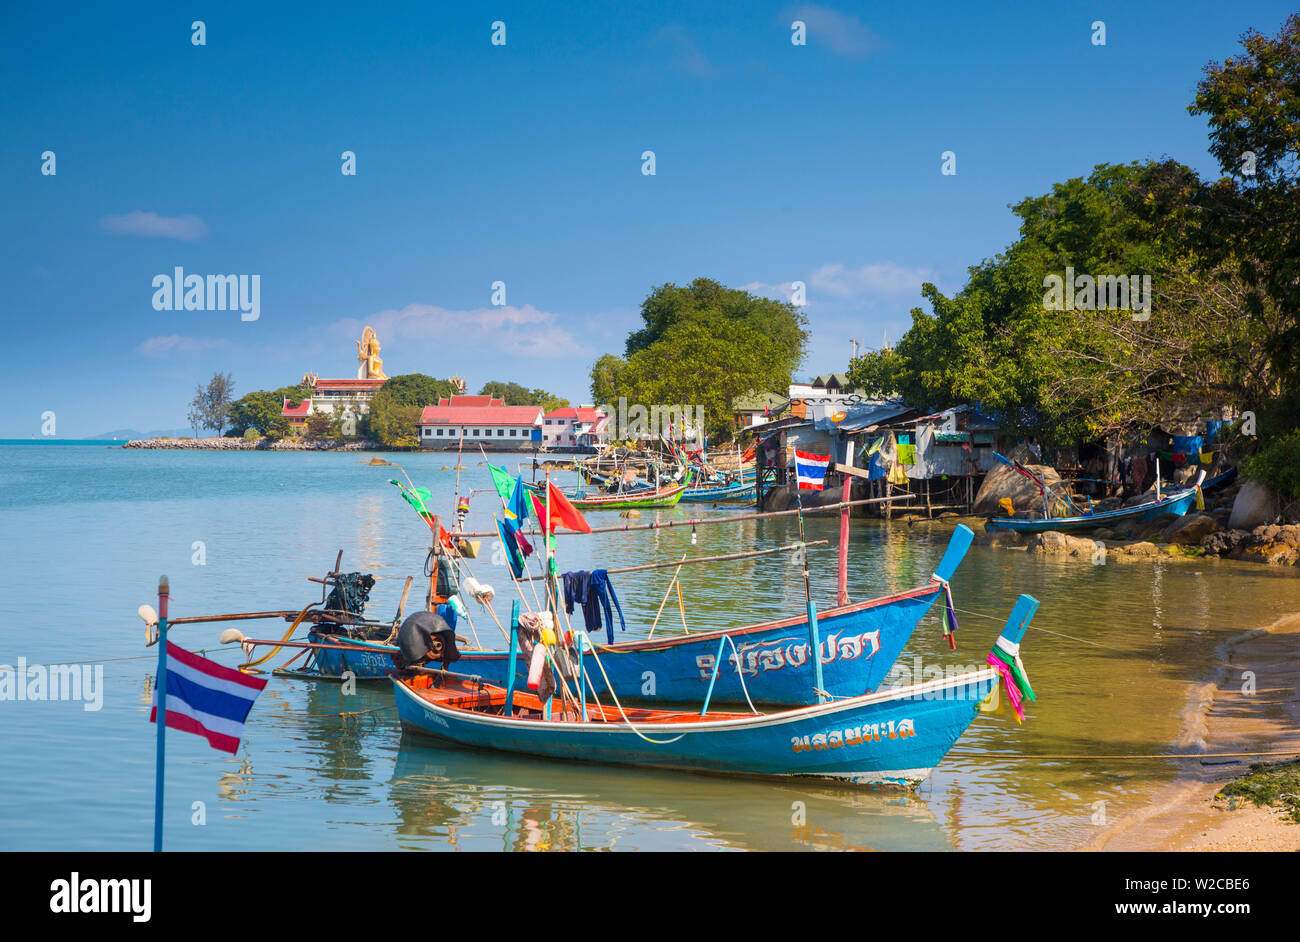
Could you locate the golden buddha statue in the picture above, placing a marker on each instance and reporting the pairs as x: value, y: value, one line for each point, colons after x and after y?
x: 372, y: 367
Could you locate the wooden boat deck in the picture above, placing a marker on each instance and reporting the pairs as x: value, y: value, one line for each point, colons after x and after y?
x: 465, y: 694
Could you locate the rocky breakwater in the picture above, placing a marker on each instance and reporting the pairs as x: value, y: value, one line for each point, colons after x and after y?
x: 257, y: 444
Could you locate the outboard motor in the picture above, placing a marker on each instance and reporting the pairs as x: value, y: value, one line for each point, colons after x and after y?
x: 425, y: 637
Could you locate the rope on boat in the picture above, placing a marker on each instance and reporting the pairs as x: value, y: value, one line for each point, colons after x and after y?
x: 630, y: 725
x: 248, y: 667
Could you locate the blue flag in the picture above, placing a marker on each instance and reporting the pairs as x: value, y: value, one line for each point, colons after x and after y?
x: 518, y: 505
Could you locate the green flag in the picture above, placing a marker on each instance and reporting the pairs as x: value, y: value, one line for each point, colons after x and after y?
x: 415, y: 498
x: 504, y: 483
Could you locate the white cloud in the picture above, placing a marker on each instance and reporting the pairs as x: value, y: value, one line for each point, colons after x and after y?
x: 844, y: 35
x: 152, y: 226
x: 868, y: 282
x: 784, y: 291
x: 516, y: 331
x: 175, y: 343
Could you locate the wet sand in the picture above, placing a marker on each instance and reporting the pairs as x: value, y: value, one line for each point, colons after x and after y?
x: 1224, y: 715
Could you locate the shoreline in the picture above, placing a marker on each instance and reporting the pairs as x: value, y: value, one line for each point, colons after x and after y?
x: 301, y: 444
x: 1224, y: 715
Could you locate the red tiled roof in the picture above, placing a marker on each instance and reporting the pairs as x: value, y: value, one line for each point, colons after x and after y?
x: 466, y: 401
x: 582, y: 414
x: 362, y: 384
x: 296, y: 412
x: 480, y: 415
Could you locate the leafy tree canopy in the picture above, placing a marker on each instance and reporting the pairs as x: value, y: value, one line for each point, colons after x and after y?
x: 417, y: 389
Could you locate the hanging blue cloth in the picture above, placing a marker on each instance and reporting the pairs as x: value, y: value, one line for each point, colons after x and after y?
x: 593, y: 591
x: 603, y: 590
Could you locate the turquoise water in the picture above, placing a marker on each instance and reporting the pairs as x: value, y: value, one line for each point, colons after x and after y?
x: 88, y: 529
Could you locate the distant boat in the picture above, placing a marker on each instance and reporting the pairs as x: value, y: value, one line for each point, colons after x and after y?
x: 738, y: 491
x: 635, y: 500
x: 1176, y: 503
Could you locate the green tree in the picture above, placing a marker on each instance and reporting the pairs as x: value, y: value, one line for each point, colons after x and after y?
x: 605, y: 373
x: 392, y: 423
x: 324, y: 425
x: 723, y: 310
x: 210, y: 407
x: 513, y: 394
x: 1084, y: 373
x: 417, y: 389
x: 696, y: 364
x: 262, y: 411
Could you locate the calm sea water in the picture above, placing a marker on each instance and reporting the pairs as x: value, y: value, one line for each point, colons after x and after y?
x: 87, y: 529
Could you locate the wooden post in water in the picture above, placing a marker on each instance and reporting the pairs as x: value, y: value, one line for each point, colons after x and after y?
x: 814, y: 636
x: 433, y: 568
x: 512, y: 662
x: 843, y: 597
x: 160, y: 692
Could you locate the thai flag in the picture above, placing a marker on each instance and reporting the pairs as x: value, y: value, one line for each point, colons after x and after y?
x: 810, y: 470
x: 207, y: 698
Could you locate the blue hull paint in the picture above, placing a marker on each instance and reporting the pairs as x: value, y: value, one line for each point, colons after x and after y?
x: 1176, y: 504
x: 370, y: 660
x: 733, y: 492
x: 890, y: 738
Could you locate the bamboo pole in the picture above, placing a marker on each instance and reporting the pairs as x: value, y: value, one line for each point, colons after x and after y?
x: 701, y: 521
x: 702, y: 559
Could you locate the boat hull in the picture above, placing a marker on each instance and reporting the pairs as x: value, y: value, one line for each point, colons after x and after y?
x: 733, y: 492
x: 1176, y: 504
x: 893, y: 738
x: 665, y: 498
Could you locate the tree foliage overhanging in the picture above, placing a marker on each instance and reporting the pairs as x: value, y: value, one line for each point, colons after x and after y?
x: 1224, y: 261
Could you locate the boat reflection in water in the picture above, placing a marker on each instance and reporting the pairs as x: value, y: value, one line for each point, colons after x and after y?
x: 483, y: 801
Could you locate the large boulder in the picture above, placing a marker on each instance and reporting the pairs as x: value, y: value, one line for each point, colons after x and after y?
x: 1004, y: 481
x: 1061, y: 544
x: 1192, y: 528
x: 1255, y: 506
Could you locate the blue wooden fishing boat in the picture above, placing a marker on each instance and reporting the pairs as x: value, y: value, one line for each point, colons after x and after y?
x: 722, y: 492
x: 1177, y: 503
x: 859, y: 644
x: 1222, y: 479
x: 891, y: 737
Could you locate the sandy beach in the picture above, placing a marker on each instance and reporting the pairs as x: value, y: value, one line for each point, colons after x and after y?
x: 1251, y: 705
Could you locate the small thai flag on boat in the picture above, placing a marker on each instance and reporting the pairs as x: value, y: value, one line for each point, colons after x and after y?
x: 810, y: 470
x: 206, y: 698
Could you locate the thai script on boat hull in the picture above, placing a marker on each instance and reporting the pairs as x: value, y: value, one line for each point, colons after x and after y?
x: 853, y: 736
x: 763, y: 656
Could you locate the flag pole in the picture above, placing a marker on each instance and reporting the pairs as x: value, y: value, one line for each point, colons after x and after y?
x: 160, y: 690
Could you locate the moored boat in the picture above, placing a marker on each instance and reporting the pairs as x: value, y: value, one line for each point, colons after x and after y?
x: 891, y: 737
x: 1177, y: 503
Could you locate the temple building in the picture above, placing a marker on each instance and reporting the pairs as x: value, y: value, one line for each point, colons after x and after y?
x: 342, y: 396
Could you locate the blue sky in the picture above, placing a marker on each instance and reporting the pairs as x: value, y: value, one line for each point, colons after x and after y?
x: 522, y: 163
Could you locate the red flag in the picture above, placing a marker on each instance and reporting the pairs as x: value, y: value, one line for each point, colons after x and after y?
x: 749, y: 452
x: 565, y: 514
